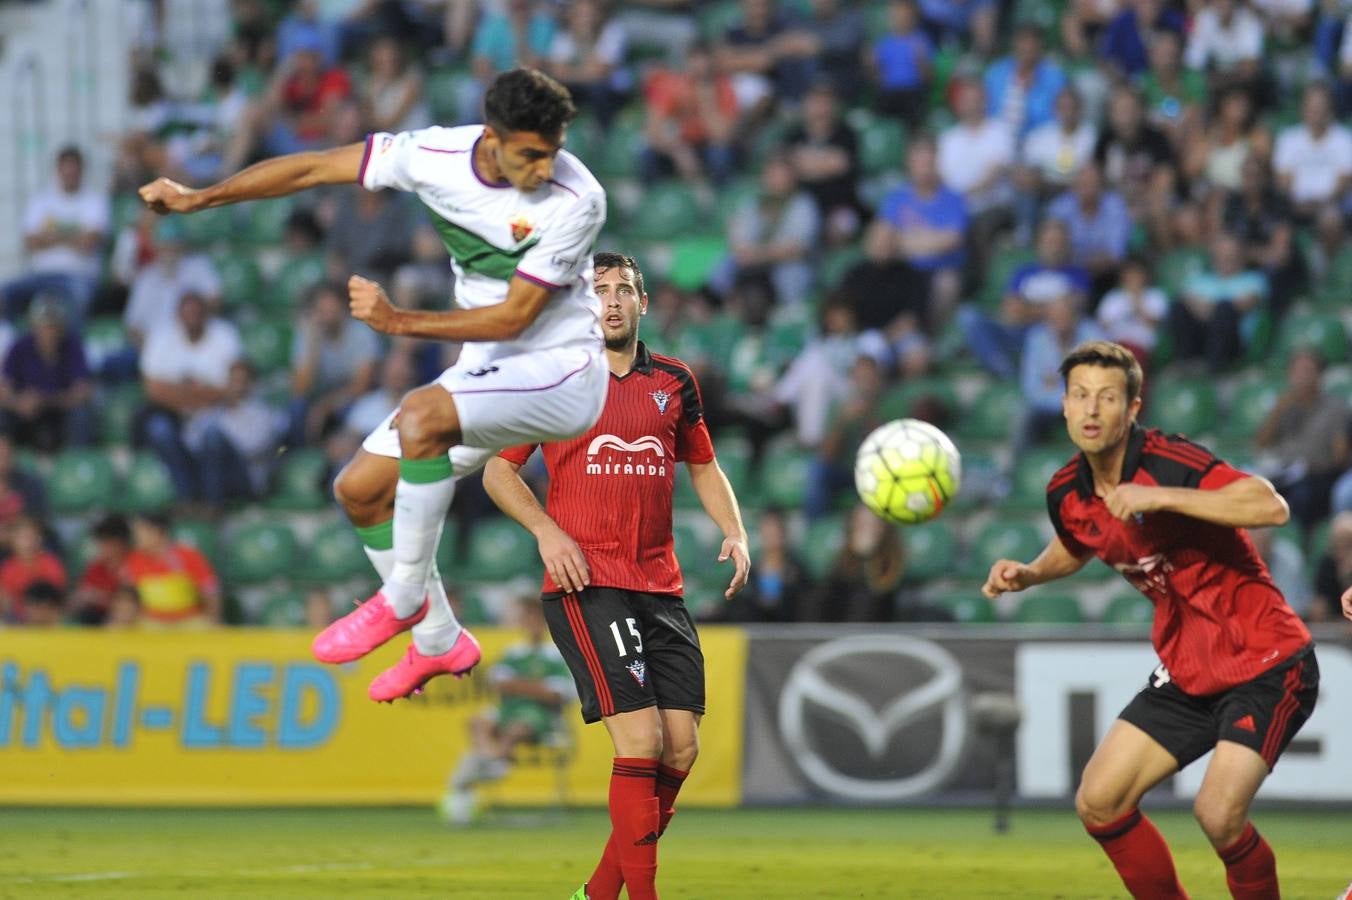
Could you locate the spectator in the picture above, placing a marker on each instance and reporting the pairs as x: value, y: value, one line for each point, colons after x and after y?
x: 1053, y: 153
x: 692, y: 122
x: 767, y: 55
x: 1323, y: 254
x: 64, y: 229
x: 158, y: 289
x: 28, y: 562
x: 975, y: 158
x: 45, y: 605
x: 588, y: 57
x: 93, y: 597
x: 1286, y: 20
x: 772, y: 237
x: 174, y: 582
x: 1260, y: 217
x: 1227, y: 40
x: 866, y: 576
x: 124, y: 609
x: 392, y: 97
x: 1216, y: 309
x: 185, y: 369
x: 333, y: 362
x: 233, y: 444
x: 971, y: 23
x: 903, y: 60
x: 1306, y: 433
x: 1099, y: 227
x: 397, y: 378
x: 997, y: 342
x: 779, y: 580
x: 1126, y: 42
x: 1131, y: 313
x: 509, y: 34
x: 1137, y: 162
x: 360, y: 214
x: 1333, y: 573
x: 296, y: 112
x: 825, y: 157
x: 1061, y: 328
x: 1286, y: 564
x: 837, y: 31
x: 21, y: 492
x: 854, y: 417
x: 661, y: 26
x: 318, y: 609
x: 818, y: 377
x: 1022, y: 88
x: 44, y: 386
x: 1174, y: 96
x: 1313, y: 160
x: 425, y: 281
x: 889, y: 300
x: 1216, y: 159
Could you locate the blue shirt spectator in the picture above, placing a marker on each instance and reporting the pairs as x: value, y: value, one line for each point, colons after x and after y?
x: 952, y: 14
x: 1021, y: 89
x: 902, y: 59
x: 1045, y: 345
x: 1038, y: 283
x: 27, y: 368
x: 495, y: 40
x: 939, y: 209
x: 1098, y: 220
x: 1124, y: 38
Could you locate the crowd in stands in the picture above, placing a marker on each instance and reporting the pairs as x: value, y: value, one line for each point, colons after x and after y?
x: 846, y: 212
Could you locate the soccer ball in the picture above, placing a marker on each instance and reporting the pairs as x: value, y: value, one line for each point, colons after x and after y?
x: 907, y: 471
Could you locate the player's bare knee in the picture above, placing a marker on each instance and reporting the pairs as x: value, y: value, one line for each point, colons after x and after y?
x: 424, y: 424
x: 362, y: 498
x: 1222, y: 821
x: 681, y: 753
x: 1095, y: 806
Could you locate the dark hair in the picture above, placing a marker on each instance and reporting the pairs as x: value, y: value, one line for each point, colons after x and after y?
x: 528, y: 100
x: 113, y: 527
x: 607, y: 260
x: 304, y: 222
x: 158, y: 520
x: 70, y: 152
x: 43, y: 593
x: 1108, y: 355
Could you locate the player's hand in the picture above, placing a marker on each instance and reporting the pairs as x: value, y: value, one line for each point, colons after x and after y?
x: 368, y: 303
x: 1005, y: 576
x: 564, y: 561
x: 164, y: 195
x: 1347, y: 603
x: 1127, y: 500
x: 736, y: 550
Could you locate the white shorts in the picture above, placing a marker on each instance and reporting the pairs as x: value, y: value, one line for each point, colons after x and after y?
x: 529, y: 398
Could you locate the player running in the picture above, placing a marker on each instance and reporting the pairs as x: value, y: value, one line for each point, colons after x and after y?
x: 1238, y: 671
x: 612, y: 586
x: 518, y: 216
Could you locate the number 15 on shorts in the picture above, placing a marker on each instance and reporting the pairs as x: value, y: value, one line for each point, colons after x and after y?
x: 615, y: 631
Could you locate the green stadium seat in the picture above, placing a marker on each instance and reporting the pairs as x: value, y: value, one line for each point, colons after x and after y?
x: 734, y: 457
x: 784, y: 340
x: 693, y: 260
x: 209, y: 226
x: 204, y: 537
x: 334, y: 554
x: 103, y: 336
x: 499, y: 549
x: 668, y: 209
x: 448, y: 550
x: 147, y: 487
x: 1250, y: 404
x: 301, y: 482
x: 1180, y: 406
x: 1129, y: 609
x: 1177, y: 267
x: 899, y: 402
x: 683, y: 493
x: 732, y: 196
x: 784, y: 473
x: 1004, y: 539
x: 1049, y: 609
x: 127, y: 209
x: 990, y: 416
x: 1334, y: 289
x: 838, y: 262
x: 620, y: 152
x: 267, y: 344
x: 931, y: 551
x: 968, y: 605
x: 1002, y: 267
x: 1323, y: 332
x: 241, y: 280
x: 265, y: 220
x: 1032, y: 471
x: 118, y: 406
x: 258, y: 552
x: 287, y: 292
x: 285, y: 609
x: 81, y: 481
x: 882, y: 146
x: 443, y: 91
x: 821, y: 544
x: 716, y: 18
x: 696, y: 545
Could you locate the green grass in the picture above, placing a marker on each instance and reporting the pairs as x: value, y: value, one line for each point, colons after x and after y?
x: 725, y: 855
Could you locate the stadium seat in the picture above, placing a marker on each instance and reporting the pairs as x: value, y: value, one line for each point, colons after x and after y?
x: 267, y: 344
x: 103, y: 336
x: 1049, y: 609
x: 693, y: 260
x: 258, y: 552
x: 208, y: 226
x: 147, y: 487
x: 784, y: 474
x: 1250, y: 404
x: 204, y: 537
x: 448, y: 551
x: 683, y: 493
x: 1177, y: 267
x: 1181, y: 406
x: 899, y: 402
x: 499, y: 549
x: 882, y: 146
x: 241, y: 280
x: 732, y: 196
x: 931, y: 551
x: 301, y: 482
x: 620, y: 151
x: 443, y: 92
x: 696, y: 544
x: 1032, y: 471
x: 668, y: 209
x: 822, y: 540
x: 837, y: 262
x: 1332, y: 292
x: 1129, y: 609
x: 1322, y: 331
x: 286, y: 293
x: 118, y: 406
x: 334, y: 554
x: 968, y: 604
x: 734, y: 458
x: 989, y: 418
x: 265, y: 220
x: 1002, y: 267
x: 1002, y: 538
x: 81, y: 481
x: 285, y: 609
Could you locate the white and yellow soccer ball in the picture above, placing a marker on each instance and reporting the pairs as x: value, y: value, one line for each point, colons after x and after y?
x: 907, y: 471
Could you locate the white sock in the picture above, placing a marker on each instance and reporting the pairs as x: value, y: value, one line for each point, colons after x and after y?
x: 419, y: 512
x: 439, y: 629
x: 381, y: 560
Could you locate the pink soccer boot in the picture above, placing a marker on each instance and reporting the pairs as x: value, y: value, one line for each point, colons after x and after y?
x: 407, y: 676
x: 361, y: 631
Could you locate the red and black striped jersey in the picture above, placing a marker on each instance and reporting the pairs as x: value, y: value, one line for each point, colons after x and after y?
x: 610, y: 489
x: 1219, y: 619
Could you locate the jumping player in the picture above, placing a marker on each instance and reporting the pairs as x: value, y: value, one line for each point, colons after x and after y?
x: 518, y: 216
x: 612, y: 586
x: 1237, y: 671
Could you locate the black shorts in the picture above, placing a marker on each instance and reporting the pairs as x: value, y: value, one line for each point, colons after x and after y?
x: 627, y: 650
x: 1263, y: 714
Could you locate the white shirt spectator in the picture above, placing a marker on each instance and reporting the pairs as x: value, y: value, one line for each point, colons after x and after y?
x: 968, y: 155
x: 156, y: 290
x: 1345, y: 51
x: 1214, y: 43
x: 82, y: 211
x: 1057, y: 156
x: 609, y: 48
x: 170, y: 356
x: 1123, y: 322
x: 1315, y: 166
x: 253, y: 427
x: 1283, y: 8
x: 369, y: 410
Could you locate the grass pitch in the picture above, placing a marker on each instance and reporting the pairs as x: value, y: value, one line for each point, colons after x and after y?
x: 708, y: 855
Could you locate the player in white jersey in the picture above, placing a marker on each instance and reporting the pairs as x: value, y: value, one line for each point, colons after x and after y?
x: 518, y: 216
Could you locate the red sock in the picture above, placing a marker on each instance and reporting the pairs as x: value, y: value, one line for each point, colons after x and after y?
x: 1250, y: 867
x: 669, y: 783
x: 1141, y: 857
x: 628, y: 857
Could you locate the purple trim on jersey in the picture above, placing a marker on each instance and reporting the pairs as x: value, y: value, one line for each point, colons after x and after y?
x: 475, y: 169
x: 530, y: 390
x: 438, y: 149
x: 564, y: 186
x: 540, y: 281
x: 365, y: 158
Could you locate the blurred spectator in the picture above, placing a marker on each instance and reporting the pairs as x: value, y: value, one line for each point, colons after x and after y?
x: 663, y: 26
x: 333, y: 362
x: 1227, y: 40
x: 1215, y: 312
x: 21, y: 492
x: 1099, y: 227
x: 863, y: 582
x: 779, y: 579
x: 509, y: 34
x: 198, y: 152
x: 1053, y: 153
x: 975, y: 158
x: 185, y: 369
x: 1131, y: 313
x: 839, y: 31
x: 825, y: 156
x: 1216, y: 158
x: 1083, y: 21
x: 371, y: 234
x: 766, y: 54
x: 1260, y: 218
x: 158, y: 289
x: 971, y: 23
x: 1306, y: 435
x: 1061, y: 328
x: 425, y: 281
x: 44, y: 604
x: 692, y: 121
x: 64, y: 229
x: 889, y: 300
x: 1333, y: 572
x: 772, y: 237
x: 28, y: 562
x: 296, y: 111
x: 818, y: 377
x: 1137, y: 161
x: 234, y: 443
x: 397, y: 378
x: 174, y: 581
x: 318, y: 609
x: 124, y: 609
x: 392, y: 96
x: 1174, y: 95
x: 997, y: 342
x: 1286, y: 564
x: 305, y: 28
x: 903, y: 59
x: 1126, y: 42
x: 1022, y: 88
x: 588, y: 56
x: 1286, y: 20
x: 93, y: 596
x: 1328, y: 245
x: 1313, y: 160
x: 44, y: 383
x: 854, y: 416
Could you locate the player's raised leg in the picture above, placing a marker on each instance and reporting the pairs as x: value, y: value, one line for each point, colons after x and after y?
x: 1125, y: 765
x: 1222, y: 808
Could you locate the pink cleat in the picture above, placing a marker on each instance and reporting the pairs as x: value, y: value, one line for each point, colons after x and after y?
x: 407, y: 676
x: 361, y: 631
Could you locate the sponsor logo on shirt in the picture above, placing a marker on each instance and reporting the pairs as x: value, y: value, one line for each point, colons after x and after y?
x: 611, y: 455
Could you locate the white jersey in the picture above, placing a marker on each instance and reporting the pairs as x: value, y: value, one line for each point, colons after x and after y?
x: 494, y: 232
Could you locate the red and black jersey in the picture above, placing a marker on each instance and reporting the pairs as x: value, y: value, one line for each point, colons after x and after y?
x: 1219, y: 619
x: 610, y: 489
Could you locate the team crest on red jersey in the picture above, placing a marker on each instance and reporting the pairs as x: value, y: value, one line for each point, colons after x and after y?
x: 661, y: 398
x: 638, y: 669
x: 521, y: 228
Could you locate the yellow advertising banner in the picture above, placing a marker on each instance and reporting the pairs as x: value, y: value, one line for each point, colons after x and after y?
x: 244, y: 716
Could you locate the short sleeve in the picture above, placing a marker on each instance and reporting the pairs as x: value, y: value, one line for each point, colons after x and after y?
x: 564, y: 250
x: 693, y: 444
x: 386, y: 162
x: 1063, y: 533
x: 1219, y: 475
x: 518, y: 455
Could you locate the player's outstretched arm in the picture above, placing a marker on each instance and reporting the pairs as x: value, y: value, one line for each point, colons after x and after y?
x: 501, y: 322
x: 562, y: 557
x: 1250, y: 502
x: 275, y: 177
x: 1008, y: 576
x: 716, y: 496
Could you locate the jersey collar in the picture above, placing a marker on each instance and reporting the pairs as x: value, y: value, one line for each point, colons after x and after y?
x: 643, y: 363
x: 1131, y: 461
